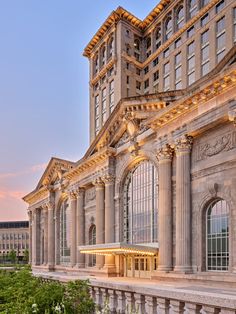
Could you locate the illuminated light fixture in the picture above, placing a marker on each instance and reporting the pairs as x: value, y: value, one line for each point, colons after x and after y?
x: 118, y: 249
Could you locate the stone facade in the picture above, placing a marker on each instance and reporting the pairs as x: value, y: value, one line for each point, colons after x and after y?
x: 78, y: 210
x: 14, y: 236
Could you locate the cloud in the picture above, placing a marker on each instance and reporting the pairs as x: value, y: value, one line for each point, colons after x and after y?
x: 16, y: 194
x: 33, y: 169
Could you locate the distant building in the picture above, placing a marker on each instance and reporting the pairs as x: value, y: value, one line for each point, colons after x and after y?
x: 14, y: 235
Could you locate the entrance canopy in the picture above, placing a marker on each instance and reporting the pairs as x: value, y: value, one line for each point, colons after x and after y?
x: 119, y: 248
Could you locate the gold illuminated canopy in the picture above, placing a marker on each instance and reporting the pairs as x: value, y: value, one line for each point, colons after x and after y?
x: 118, y: 248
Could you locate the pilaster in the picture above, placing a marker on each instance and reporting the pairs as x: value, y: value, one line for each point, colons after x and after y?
x: 80, y: 217
x: 51, y: 236
x: 73, y: 227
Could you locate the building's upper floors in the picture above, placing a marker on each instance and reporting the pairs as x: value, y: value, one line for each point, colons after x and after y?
x: 177, y: 44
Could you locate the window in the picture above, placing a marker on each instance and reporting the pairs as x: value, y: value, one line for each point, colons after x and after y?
x: 168, y: 28
x: 190, y: 32
x: 137, y: 44
x: 234, y: 24
x: 155, y: 61
x: 111, y: 72
x: 103, y: 56
x: 103, y: 79
x: 178, y: 42
x: 148, y: 47
x: 220, y: 39
x: 138, y: 85
x: 220, y: 5
x: 217, y: 226
x: 166, y: 80
x: 191, y: 63
x: 205, y: 53
x: 192, y: 8
x: 178, y: 71
x: 138, y: 71
x: 140, y: 204
x: 64, y: 233
x: 127, y: 49
x: 96, y: 64
x: 166, y: 53
x: 127, y: 80
x: 204, y: 20
x: 104, y: 105
x: 146, y: 69
x: 146, y: 84
x: 110, y: 48
x: 127, y: 65
x: 97, y: 114
x: 204, y: 2
x: 179, y: 18
x: 111, y: 95
x: 158, y: 37
x: 156, y: 76
x: 92, y: 241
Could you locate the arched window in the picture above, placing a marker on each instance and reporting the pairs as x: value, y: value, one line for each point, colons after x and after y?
x: 103, y: 55
x: 92, y: 240
x: 64, y: 233
x: 158, y: 37
x: 217, y: 226
x: 140, y: 204
x: 168, y: 28
x: 95, y: 64
x: 137, y: 44
x: 110, y: 48
x: 148, y: 46
x: 192, y: 8
x: 179, y: 17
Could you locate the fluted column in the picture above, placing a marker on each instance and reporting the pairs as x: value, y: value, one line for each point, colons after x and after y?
x: 51, y: 236
x: 45, y: 228
x: 36, y: 237
x: 80, y: 217
x: 30, y: 236
x: 165, y: 209
x: 109, y: 218
x: 100, y: 218
x: 183, y: 205
x: 73, y: 248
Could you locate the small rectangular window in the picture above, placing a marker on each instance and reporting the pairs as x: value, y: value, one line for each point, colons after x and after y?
x: 220, y: 5
x: 146, y: 84
x: 138, y: 85
x: 166, y: 53
x: 190, y: 32
x: 204, y: 20
x: 156, y: 76
x: 155, y: 62
x: 138, y: 71
x: 178, y: 42
x: 146, y: 69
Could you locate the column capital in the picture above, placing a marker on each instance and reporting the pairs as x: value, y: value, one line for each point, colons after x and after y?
x: 72, y: 195
x: 165, y: 153
x: 98, y: 183
x: 184, y: 144
x: 80, y: 191
x: 48, y: 205
x: 108, y: 179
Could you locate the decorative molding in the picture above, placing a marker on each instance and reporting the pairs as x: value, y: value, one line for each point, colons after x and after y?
x: 225, y: 142
x: 98, y: 183
x: 184, y: 144
x: 165, y: 153
x: 90, y: 195
x: 108, y: 179
x: 212, y: 170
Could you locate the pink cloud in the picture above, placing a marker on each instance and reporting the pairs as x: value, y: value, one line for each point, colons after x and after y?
x: 11, y: 194
x: 33, y: 169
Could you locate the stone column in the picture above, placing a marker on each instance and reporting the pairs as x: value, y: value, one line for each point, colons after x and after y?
x: 80, y: 217
x: 36, y: 237
x: 51, y: 236
x: 100, y: 218
x: 109, y: 218
x: 165, y: 209
x: 73, y: 227
x: 183, y: 205
x: 45, y: 227
x: 30, y: 236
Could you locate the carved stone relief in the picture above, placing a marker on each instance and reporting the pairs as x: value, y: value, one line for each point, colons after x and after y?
x: 225, y: 142
x: 90, y: 195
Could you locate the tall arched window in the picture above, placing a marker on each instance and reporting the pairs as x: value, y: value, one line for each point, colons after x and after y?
x: 179, y: 17
x: 140, y: 204
x: 217, y: 226
x: 193, y: 8
x: 158, y: 37
x: 95, y: 64
x: 92, y: 240
x: 110, y: 48
x: 64, y: 233
x: 168, y: 28
x: 103, y: 55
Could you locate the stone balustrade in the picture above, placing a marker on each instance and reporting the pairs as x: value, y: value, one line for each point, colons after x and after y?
x: 120, y: 301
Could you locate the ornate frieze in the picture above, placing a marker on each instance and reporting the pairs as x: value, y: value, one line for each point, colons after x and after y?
x: 90, y: 195
x: 225, y: 142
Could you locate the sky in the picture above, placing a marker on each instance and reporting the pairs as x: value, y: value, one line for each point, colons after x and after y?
x: 44, y: 96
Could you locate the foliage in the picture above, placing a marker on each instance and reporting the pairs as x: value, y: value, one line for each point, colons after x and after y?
x: 12, y: 256
x: 26, y: 256
x: 20, y: 292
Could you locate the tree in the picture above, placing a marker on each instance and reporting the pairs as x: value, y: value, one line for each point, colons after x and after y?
x: 26, y: 256
x: 12, y: 256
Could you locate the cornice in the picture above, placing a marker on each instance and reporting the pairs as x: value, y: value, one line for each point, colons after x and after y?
x: 188, y: 103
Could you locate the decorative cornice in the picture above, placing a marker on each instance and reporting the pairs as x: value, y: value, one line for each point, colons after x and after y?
x: 184, y: 144
x: 165, y: 153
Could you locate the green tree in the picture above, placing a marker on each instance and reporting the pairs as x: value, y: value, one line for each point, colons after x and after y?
x: 12, y: 256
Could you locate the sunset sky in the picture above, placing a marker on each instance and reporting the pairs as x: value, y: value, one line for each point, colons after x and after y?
x: 44, y: 87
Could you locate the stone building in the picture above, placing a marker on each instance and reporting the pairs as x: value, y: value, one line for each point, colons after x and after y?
x: 154, y: 195
x: 14, y: 235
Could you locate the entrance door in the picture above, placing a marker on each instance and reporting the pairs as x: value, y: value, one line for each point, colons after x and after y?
x: 138, y: 266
